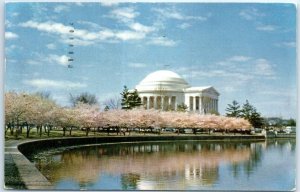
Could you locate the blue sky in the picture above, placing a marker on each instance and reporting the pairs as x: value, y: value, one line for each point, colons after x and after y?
x: 246, y: 51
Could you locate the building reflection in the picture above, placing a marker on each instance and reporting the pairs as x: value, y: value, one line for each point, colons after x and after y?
x: 154, y: 166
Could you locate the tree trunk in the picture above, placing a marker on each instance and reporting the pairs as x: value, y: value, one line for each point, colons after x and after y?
x: 87, y: 131
x: 17, y: 130
x: 41, y: 128
x: 70, y: 131
x: 48, y: 132
x: 27, y: 131
x: 64, y: 131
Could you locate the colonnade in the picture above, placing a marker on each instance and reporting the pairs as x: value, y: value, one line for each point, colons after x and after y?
x: 203, y: 105
x: 160, y: 102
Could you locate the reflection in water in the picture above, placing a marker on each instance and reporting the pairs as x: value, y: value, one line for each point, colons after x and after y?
x: 169, y: 165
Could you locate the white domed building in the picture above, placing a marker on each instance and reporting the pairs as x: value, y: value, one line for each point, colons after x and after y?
x: 166, y: 90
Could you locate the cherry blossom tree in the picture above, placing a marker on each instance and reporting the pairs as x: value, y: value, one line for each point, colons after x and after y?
x: 87, y: 116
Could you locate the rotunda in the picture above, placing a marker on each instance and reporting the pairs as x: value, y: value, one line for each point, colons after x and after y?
x: 165, y: 90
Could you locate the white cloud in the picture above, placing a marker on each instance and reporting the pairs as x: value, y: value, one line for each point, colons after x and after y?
x: 77, y: 42
x: 51, y: 46
x: 125, y: 14
x: 109, y: 3
x: 89, y: 24
x: 230, y: 62
x: 250, y: 14
x: 129, y: 35
x: 15, y: 14
x: 162, y: 41
x: 290, y: 44
x: 8, y: 24
x: 263, y: 67
x: 82, y: 37
x: 47, y: 83
x: 184, y: 26
x: 11, y: 35
x: 50, y: 27
x: 60, y: 29
x: 61, y: 8
x: 137, y: 65
x: 80, y: 4
x: 266, y: 28
x: 239, y: 58
x: 235, y: 71
x: 172, y: 13
x: 55, y: 59
x: 141, y: 28
x: 33, y: 62
x: 11, y: 48
x: 61, y: 60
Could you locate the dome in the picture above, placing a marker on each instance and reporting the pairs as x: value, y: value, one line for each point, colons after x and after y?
x: 163, y: 79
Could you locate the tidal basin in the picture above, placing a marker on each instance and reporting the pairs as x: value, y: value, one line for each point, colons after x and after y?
x: 173, y: 165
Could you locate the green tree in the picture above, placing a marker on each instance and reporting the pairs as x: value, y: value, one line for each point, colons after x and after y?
x: 233, y: 110
x: 85, y: 98
x: 106, y: 108
x: 130, y: 99
x: 182, y: 107
x: 291, y: 122
x: 249, y: 113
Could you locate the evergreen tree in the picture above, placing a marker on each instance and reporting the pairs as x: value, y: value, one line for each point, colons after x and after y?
x: 182, y: 107
x: 106, y: 108
x: 130, y: 99
x: 233, y: 110
x: 249, y: 112
x: 125, y: 99
x: 291, y: 122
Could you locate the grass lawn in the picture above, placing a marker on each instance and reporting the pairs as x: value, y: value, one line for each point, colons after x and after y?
x: 79, y: 133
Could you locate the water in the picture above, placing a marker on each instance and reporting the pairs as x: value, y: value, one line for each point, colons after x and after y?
x: 181, y: 165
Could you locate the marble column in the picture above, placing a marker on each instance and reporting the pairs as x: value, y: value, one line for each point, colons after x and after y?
x: 155, y: 102
x: 200, y: 105
x: 194, y: 103
x: 162, y: 101
x: 188, y: 103
x: 170, y: 102
x: 216, y: 105
x: 148, y: 103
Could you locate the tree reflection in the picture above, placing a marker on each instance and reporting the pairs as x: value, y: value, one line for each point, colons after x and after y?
x: 129, y: 181
x: 190, y: 163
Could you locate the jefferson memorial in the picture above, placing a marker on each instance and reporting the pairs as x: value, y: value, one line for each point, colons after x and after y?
x: 166, y: 90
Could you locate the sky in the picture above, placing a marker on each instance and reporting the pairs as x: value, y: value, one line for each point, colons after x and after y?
x: 245, y: 51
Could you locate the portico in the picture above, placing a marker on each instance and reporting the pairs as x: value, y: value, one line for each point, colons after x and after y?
x: 165, y: 90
